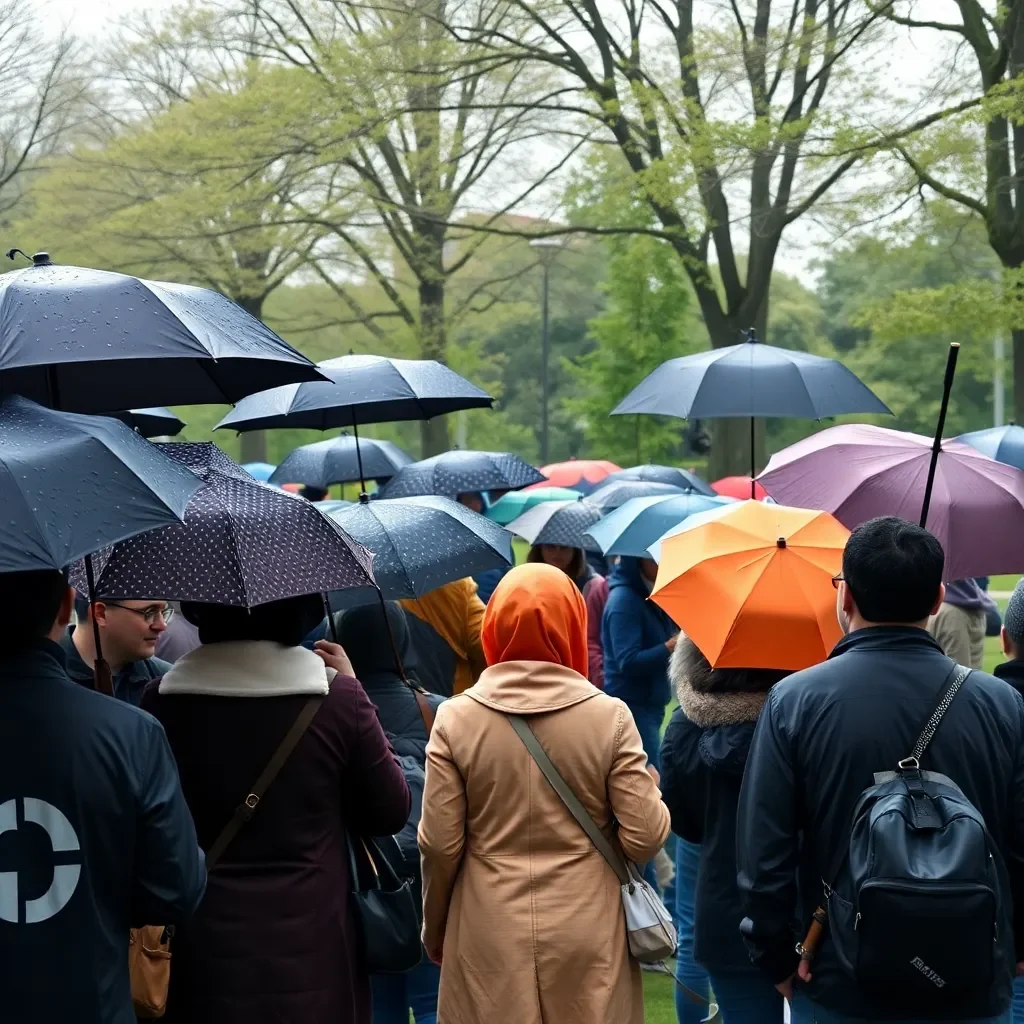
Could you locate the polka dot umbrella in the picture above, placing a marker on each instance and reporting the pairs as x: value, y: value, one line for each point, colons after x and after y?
x: 557, y: 522
x: 242, y: 543
x: 461, y: 472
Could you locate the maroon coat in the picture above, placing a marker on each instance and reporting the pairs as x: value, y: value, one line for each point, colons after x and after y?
x: 274, y: 941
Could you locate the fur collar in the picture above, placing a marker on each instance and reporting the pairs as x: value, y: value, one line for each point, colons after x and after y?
x: 248, y: 668
x: 709, y: 709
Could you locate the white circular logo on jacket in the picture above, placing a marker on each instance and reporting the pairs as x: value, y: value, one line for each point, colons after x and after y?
x: 63, y: 840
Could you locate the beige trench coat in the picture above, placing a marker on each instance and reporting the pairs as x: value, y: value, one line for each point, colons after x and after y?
x: 526, y: 911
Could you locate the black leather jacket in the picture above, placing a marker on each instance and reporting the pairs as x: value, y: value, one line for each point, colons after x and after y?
x: 821, y: 736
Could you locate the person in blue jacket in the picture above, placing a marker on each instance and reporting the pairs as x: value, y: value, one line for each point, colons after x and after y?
x: 638, y: 639
x: 95, y: 836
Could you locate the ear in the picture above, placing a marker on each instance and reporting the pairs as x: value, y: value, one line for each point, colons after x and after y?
x: 67, y: 606
x: 846, y: 600
x: 1006, y: 643
x: 938, y: 600
x: 99, y: 613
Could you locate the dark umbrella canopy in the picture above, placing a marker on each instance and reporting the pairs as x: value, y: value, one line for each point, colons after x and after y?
x: 93, y: 341
x: 462, y: 472
x: 609, y: 496
x: 750, y: 379
x: 70, y: 484
x: 421, y: 543
x: 336, y: 461
x: 674, y: 475
x: 557, y: 522
x: 364, y: 389
x: 156, y: 422
x: 242, y: 543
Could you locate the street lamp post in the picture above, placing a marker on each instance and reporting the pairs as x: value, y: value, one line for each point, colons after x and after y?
x: 553, y: 244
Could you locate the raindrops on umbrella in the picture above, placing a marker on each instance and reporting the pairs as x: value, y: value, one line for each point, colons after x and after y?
x: 557, y: 522
x: 461, y: 472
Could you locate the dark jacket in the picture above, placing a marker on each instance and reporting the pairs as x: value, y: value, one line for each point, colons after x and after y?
x: 1012, y: 672
x: 634, y: 631
x: 129, y: 684
x: 364, y: 635
x: 702, y: 760
x: 98, y: 776
x: 821, y: 736
x: 275, y: 939
x: 487, y: 581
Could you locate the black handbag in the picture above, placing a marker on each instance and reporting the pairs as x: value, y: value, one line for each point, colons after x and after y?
x: 386, y: 909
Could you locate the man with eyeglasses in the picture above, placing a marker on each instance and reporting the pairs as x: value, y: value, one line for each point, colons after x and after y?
x: 129, y: 631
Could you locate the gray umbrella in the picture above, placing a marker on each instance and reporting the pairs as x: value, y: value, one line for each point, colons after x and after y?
x: 609, y: 496
x: 242, y: 543
x: 462, y: 472
x: 556, y: 522
x: 340, y: 460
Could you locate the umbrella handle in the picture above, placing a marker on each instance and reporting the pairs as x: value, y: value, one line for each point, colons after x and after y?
x: 947, y: 387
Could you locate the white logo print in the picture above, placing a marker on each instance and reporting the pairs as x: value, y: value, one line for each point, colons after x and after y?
x: 63, y: 840
x: 928, y: 972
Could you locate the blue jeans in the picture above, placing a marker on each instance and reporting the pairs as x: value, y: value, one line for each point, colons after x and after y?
x: 806, y: 1012
x: 746, y: 997
x: 691, y: 974
x: 394, y: 995
x: 648, y: 723
x: 1018, y: 1001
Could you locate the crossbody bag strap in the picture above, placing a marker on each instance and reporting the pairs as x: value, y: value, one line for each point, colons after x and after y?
x: 426, y: 710
x: 569, y: 798
x: 247, y: 808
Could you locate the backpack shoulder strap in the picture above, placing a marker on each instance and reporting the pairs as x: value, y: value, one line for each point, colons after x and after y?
x: 247, y: 808
x: 569, y: 798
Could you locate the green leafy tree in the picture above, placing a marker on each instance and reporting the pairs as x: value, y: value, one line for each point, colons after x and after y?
x: 643, y: 324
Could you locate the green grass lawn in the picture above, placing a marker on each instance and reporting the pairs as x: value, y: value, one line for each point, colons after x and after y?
x: 659, y: 999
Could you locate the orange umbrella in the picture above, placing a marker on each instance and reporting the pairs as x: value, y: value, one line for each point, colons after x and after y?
x: 738, y: 487
x: 751, y: 584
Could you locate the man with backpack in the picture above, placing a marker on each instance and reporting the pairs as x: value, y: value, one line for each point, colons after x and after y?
x: 880, y: 831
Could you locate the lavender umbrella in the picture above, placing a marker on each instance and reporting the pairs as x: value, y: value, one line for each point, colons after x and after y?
x: 858, y: 472
x: 242, y: 543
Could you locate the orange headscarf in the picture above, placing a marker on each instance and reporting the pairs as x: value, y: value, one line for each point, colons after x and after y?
x: 536, y: 613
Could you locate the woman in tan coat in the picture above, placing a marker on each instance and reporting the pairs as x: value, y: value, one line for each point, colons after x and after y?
x: 521, y: 911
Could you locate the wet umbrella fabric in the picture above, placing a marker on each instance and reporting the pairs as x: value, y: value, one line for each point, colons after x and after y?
x: 581, y: 475
x: 674, y: 475
x: 512, y: 505
x: 93, y: 341
x: 461, y: 472
x: 261, y: 471
x: 70, y: 484
x: 421, y: 543
x: 557, y: 522
x: 609, y: 496
x: 156, y: 422
x: 361, y: 389
x: 336, y: 461
x: 242, y: 543
x: 632, y: 528
x: 1004, y: 444
x: 857, y: 472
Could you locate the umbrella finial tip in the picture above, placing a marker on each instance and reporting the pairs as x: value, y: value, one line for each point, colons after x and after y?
x: 364, y: 498
x: 781, y: 542
x: 41, y: 259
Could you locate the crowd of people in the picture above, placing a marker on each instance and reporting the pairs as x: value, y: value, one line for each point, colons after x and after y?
x: 393, y: 720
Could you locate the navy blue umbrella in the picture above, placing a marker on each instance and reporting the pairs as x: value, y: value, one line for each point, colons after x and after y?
x: 462, y: 472
x: 157, y: 422
x: 421, y: 543
x: 1004, y: 444
x: 70, y: 484
x: 751, y: 380
x: 609, y: 496
x: 556, y: 522
x: 363, y: 389
x: 341, y: 460
x: 674, y: 475
x: 242, y: 543
x: 93, y: 341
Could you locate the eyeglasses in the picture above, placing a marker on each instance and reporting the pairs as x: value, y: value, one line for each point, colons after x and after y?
x: 837, y: 579
x: 150, y: 613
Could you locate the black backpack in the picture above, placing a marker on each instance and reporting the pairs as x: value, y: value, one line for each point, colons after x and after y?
x: 915, y: 906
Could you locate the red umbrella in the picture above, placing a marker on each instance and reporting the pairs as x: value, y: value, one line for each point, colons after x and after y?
x: 581, y: 475
x: 738, y: 487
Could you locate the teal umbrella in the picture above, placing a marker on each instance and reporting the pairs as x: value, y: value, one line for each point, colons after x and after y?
x: 512, y: 505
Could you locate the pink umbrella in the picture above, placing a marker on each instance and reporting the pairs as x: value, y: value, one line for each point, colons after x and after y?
x: 858, y: 472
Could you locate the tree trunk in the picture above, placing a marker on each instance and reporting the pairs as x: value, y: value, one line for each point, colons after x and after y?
x: 253, y: 446
x: 434, y: 437
x: 1018, y: 376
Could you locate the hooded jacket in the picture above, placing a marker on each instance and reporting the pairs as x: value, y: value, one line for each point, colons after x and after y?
x: 634, y: 631
x: 95, y: 838
x: 702, y: 760
x: 820, y: 738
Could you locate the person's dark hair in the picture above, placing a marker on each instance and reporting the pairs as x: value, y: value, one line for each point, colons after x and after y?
x: 697, y: 671
x: 30, y: 601
x: 576, y: 567
x: 82, y: 606
x: 312, y: 493
x: 286, y: 622
x: 893, y: 569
